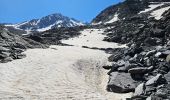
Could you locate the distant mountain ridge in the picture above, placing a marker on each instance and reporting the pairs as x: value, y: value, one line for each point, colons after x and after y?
x: 47, y: 22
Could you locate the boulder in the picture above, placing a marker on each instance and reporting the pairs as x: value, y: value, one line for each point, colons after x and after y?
x: 164, y: 67
x: 126, y: 67
x: 150, y: 53
x: 168, y: 58
x: 158, y: 79
x: 121, y: 83
x: 138, y: 70
x: 167, y: 77
x: 115, y: 57
x: 163, y: 92
x: 139, y: 90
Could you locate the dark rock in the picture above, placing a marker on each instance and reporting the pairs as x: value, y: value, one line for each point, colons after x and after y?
x: 115, y: 57
x: 149, y: 90
x: 138, y: 70
x: 113, y: 68
x: 20, y: 56
x: 164, y: 67
x: 121, y: 63
x: 126, y: 67
x: 150, y: 41
x: 121, y: 83
x: 8, y: 59
x: 107, y: 67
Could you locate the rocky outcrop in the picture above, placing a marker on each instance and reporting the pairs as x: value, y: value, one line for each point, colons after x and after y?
x: 121, y: 83
x: 53, y: 37
x: 147, y: 58
x: 12, y: 45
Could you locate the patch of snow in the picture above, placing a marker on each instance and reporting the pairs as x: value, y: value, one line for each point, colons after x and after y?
x: 76, y: 23
x: 91, y: 38
x: 57, y: 73
x: 18, y: 25
x: 46, y: 28
x: 58, y: 22
x: 38, y: 22
x: 97, y: 23
x: 27, y: 32
x: 114, y: 19
x: 10, y: 25
x: 61, y: 72
x: 158, y: 13
x: 151, y: 7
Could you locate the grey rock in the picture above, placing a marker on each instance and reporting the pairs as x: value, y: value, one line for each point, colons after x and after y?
x: 155, y: 80
x: 20, y: 56
x: 8, y: 59
x: 139, y: 90
x: 149, y: 98
x: 167, y: 77
x: 3, y: 49
x: 150, y: 53
x: 168, y: 59
x: 121, y: 83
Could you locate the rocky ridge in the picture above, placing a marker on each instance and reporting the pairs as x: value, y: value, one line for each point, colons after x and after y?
x: 143, y: 67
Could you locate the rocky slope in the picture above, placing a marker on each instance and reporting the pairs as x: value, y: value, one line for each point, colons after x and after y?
x: 12, y: 45
x: 47, y: 22
x: 129, y: 8
x: 143, y: 67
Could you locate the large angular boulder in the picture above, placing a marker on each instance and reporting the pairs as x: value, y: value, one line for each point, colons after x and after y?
x: 121, y: 83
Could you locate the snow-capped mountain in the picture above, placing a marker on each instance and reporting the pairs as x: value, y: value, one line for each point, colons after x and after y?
x: 47, y: 22
x: 129, y: 8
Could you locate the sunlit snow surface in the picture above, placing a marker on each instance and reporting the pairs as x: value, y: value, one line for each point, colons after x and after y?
x: 91, y: 38
x: 156, y: 13
x: 60, y: 72
x: 114, y: 19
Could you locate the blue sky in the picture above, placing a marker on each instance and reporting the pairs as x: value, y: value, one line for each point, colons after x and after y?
x: 13, y: 11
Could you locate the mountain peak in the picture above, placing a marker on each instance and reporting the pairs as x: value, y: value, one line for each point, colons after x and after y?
x: 47, y: 22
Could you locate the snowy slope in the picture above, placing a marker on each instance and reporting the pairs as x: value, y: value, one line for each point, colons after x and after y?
x: 47, y: 22
x: 114, y: 19
x: 158, y: 13
x: 152, y: 6
x: 60, y: 72
x: 156, y: 9
x: 91, y: 38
